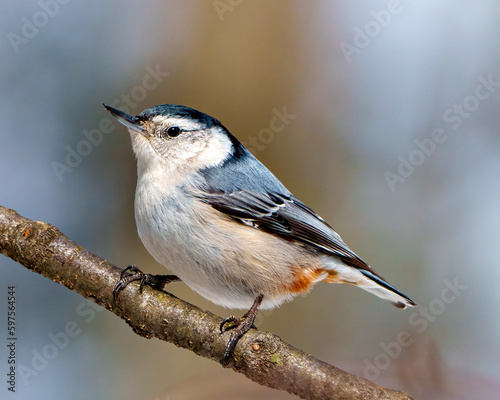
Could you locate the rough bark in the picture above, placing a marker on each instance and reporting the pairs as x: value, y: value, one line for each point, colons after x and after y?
x: 261, y: 356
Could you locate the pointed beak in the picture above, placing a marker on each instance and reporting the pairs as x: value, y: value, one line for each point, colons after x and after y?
x: 129, y: 121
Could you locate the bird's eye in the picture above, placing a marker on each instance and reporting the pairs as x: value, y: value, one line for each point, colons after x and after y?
x: 173, y: 131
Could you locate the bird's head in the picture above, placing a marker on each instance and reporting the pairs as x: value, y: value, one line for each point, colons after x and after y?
x: 177, y: 136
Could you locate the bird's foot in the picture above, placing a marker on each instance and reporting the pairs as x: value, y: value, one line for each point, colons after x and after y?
x: 132, y: 273
x: 239, y: 327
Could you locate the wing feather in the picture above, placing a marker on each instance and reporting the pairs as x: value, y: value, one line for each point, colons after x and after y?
x: 284, y: 216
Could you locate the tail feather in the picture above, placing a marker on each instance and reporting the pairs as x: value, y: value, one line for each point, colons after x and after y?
x: 367, y: 279
x: 381, y: 288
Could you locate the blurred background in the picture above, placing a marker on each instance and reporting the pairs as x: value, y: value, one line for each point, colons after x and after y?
x: 391, y: 135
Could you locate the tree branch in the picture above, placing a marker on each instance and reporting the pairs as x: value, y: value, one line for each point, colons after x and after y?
x: 261, y: 356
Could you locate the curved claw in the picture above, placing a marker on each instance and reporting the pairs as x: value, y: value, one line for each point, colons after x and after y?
x: 117, y: 289
x: 228, y: 353
x: 123, y: 282
x: 132, y: 268
x: 231, y: 318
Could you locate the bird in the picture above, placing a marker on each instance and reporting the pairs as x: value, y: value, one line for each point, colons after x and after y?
x: 210, y: 212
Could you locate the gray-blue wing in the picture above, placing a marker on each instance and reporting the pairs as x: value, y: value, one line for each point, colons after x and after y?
x: 284, y: 216
x: 244, y: 189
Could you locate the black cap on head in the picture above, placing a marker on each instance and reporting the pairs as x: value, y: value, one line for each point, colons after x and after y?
x: 178, y: 111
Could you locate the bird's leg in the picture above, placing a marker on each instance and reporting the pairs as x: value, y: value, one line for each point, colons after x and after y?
x: 132, y: 274
x: 240, y: 326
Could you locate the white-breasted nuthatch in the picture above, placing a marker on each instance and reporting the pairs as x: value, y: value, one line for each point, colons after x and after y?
x: 211, y: 213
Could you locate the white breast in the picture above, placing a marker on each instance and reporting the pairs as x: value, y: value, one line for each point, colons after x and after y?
x: 226, y: 262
